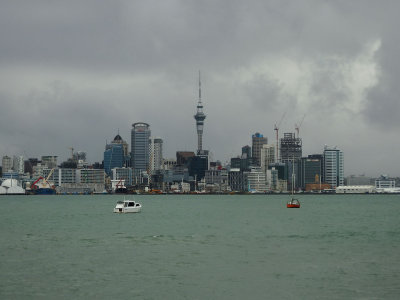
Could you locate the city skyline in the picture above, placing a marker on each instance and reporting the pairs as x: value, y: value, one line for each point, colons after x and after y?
x: 73, y: 73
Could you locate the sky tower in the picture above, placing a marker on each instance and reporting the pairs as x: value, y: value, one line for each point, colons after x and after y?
x: 199, y: 117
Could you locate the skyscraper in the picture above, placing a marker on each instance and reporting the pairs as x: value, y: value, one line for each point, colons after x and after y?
x: 7, y: 163
x: 267, y: 156
x: 18, y: 164
x: 310, y: 170
x: 290, y: 148
x: 156, y: 156
x: 258, y: 140
x: 140, y: 135
x: 50, y: 161
x: 114, y: 154
x: 199, y: 117
x: 333, y: 166
x: 246, y: 151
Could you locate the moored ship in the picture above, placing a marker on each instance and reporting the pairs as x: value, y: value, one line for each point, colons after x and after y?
x: 42, y: 186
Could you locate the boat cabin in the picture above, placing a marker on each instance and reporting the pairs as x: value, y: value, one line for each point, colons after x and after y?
x: 130, y: 204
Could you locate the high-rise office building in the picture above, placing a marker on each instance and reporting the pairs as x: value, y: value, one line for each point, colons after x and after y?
x: 18, y: 164
x: 184, y: 157
x: 7, y: 163
x: 310, y: 170
x: 246, y: 151
x: 118, y: 140
x: 290, y: 148
x: 267, y: 156
x: 50, y: 161
x: 258, y: 140
x: 156, y: 153
x: 333, y: 166
x: 115, y: 154
x: 198, y: 166
x: 140, y: 135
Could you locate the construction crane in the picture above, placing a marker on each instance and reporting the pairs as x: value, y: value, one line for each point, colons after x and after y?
x: 276, y: 128
x: 298, y: 125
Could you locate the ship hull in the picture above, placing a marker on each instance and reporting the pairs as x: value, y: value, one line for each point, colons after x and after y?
x: 44, y: 191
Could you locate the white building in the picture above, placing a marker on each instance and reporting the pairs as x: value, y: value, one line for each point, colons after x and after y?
x: 333, y: 166
x: 76, y: 180
x: 18, y: 164
x: 125, y: 174
x: 7, y: 163
x: 38, y: 170
x: 180, y: 187
x: 156, y: 159
x: 61, y: 176
x: 267, y: 156
x: 355, y: 189
x: 386, y: 185
x: 95, y: 176
x: 255, y: 180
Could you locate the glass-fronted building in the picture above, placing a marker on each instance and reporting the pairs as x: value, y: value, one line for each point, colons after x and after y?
x: 113, y: 157
x: 198, y: 166
x: 310, y: 170
x: 333, y: 167
x: 258, y: 140
x: 140, y: 135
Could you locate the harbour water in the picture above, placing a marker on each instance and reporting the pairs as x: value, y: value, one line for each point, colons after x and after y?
x: 200, y: 247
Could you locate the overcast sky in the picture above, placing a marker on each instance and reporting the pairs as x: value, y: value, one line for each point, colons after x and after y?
x: 74, y: 72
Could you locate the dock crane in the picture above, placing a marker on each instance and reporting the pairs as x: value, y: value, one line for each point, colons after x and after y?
x: 45, y: 181
x: 276, y: 128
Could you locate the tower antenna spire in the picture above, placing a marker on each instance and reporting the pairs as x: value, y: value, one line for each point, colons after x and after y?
x: 199, y: 87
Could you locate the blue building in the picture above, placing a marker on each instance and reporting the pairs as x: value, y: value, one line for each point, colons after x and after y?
x: 115, y: 154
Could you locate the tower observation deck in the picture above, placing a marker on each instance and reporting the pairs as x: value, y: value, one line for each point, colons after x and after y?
x: 199, y: 117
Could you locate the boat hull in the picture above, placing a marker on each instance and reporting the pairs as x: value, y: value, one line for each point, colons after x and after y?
x: 124, y: 210
x: 44, y: 191
x: 292, y: 205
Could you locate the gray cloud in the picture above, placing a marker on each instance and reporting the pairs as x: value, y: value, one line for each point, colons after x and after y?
x: 73, y: 72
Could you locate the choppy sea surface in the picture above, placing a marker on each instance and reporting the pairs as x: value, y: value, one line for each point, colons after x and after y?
x: 200, y: 247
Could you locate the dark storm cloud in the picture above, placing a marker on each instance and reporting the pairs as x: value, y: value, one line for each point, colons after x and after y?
x: 383, y: 101
x: 73, y: 72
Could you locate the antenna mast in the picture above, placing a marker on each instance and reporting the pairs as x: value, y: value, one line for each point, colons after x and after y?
x: 199, y: 87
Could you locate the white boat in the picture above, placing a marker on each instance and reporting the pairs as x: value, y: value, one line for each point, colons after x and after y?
x: 127, y: 206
